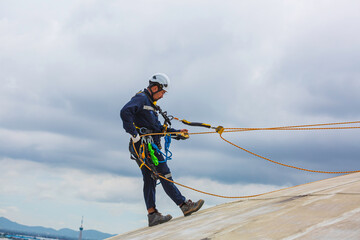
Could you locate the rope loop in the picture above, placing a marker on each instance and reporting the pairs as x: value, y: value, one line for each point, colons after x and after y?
x: 220, y: 130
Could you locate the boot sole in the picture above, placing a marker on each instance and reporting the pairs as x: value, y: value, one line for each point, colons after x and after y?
x: 196, y: 209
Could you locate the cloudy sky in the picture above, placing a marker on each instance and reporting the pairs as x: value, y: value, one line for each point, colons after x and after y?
x: 67, y: 68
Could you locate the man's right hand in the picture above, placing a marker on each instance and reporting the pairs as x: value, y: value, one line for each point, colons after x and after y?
x: 136, y: 138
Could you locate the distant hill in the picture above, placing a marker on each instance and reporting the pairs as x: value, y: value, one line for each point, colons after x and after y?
x: 7, y: 225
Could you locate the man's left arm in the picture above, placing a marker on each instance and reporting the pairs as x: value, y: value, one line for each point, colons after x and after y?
x: 177, y: 130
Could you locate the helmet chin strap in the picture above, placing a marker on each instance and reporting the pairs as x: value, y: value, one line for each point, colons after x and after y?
x: 152, y: 93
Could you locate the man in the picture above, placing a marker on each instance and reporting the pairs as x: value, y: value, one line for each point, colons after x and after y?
x: 140, y: 113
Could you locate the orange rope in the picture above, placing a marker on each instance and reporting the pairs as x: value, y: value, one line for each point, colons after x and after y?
x: 222, y: 130
x: 197, y: 190
x: 285, y: 165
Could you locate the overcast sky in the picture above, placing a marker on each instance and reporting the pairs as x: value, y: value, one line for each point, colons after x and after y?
x: 68, y: 67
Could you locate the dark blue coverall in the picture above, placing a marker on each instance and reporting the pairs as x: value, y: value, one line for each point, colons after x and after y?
x: 139, y: 111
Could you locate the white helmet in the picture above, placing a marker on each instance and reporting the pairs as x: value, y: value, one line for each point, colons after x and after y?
x: 161, y: 80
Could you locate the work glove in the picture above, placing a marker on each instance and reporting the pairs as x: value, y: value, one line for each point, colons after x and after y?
x: 136, y: 138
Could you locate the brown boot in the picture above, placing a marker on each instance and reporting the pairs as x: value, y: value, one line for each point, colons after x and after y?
x: 188, y: 207
x: 156, y: 218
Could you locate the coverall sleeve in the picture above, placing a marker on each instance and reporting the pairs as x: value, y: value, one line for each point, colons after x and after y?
x: 128, y: 113
x: 172, y: 130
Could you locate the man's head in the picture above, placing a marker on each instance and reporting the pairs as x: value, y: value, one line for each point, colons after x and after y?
x: 158, y: 85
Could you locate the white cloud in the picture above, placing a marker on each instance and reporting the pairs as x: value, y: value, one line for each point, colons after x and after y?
x: 41, y: 141
x: 8, y: 210
x: 36, y: 180
x: 67, y: 192
x: 65, y: 189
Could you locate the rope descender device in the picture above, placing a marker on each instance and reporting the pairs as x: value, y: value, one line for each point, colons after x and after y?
x: 180, y: 136
x: 220, y: 129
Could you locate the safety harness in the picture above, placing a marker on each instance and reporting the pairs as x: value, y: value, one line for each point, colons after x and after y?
x: 148, y: 148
